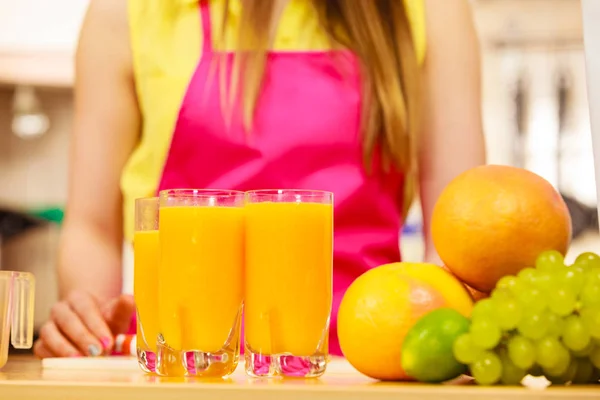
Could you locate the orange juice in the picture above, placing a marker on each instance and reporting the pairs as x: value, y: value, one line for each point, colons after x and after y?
x: 289, y: 250
x: 145, y: 287
x: 201, y: 267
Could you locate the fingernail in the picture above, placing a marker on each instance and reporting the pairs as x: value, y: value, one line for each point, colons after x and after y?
x: 105, y: 342
x: 75, y: 356
x: 93, y: 350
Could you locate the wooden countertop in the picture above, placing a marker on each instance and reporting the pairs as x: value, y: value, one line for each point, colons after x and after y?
x: 25, y: 378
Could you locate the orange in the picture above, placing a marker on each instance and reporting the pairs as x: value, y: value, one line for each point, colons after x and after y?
x: 381, y: 306
x: 494, y: 220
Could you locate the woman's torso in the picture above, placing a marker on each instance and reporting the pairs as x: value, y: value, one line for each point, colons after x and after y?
x: 307, y: 134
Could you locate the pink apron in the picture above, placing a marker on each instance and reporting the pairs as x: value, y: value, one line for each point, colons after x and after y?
x: 305, y: 136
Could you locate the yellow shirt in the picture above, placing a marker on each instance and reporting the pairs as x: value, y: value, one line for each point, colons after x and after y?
x: 166, y: 39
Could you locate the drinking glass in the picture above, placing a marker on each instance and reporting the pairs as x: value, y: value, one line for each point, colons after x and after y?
x: 146, y: 251
x: 200, y: 287
x: 17, y: 296
x: 288, y: 287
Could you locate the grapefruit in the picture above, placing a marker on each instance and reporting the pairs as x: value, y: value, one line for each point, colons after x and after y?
x: 382, y: 305
x: 494, y: 220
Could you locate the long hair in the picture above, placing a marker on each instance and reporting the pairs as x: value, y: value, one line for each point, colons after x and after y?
x: 378, y: 32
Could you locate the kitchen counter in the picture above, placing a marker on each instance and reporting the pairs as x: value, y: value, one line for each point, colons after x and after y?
x: 119, y: 379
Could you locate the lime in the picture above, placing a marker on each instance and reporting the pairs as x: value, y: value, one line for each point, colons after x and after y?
x: 427, y: 350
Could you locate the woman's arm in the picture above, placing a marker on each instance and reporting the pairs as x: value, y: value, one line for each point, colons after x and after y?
x: 106, y: 128
x: 452, y: 138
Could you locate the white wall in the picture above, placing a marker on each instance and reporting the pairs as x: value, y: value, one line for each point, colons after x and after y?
x: 40, y: 25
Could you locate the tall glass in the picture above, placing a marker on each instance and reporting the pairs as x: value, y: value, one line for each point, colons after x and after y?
x: 146, y: 251
x: 289, y: 268
x: 200, y: 288
x: 17, y: 297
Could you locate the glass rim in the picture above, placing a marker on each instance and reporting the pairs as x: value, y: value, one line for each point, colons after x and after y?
x: 15, y: 274
x: 146, y: 199
x: 200, y: 193
x: 305, y: 192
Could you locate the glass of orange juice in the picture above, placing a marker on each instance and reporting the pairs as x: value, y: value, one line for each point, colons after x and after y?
x: 146, y: 252
x: 200, y: 282
x: 288, y: 287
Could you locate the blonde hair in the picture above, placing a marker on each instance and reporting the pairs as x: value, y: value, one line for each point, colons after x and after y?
x: 378, y: 32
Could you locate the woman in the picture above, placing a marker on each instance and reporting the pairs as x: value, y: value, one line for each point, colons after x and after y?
x: 357, y: 97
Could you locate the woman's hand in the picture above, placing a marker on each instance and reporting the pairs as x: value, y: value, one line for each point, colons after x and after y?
x: 80, y: 326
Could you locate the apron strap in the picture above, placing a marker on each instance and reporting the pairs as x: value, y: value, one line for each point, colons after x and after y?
x: 206, y: 27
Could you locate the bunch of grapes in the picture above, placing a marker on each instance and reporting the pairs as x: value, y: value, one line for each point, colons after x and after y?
x: 544, y: 321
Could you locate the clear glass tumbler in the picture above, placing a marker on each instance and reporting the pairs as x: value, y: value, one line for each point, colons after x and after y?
x: 200, y: 282
x: 17, y: 298
x: 288, y: 287
x: 146, y: 252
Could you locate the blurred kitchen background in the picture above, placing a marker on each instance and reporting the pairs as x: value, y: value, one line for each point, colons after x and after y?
x: 534, y: 102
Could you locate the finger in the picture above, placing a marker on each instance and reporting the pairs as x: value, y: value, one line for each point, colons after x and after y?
x: 56, y: 343
x: 118, y: 314
x: 89, y: 313
x: 41, y: 351
x: 72, y: 326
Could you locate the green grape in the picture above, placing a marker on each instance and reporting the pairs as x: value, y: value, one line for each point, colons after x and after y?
x: 465, y: 350
x: 485, y: 333
x: 555, y: 325
x: 483, y: 309
x: 510, y: 283
x: 521, y: 352
x: 592, y: 274
x: 562, y: 301
x: 534, y: 325
x: 572, y: 277
x: 562, y: 359
x: 508, y: 314
x: 511, y: 374
x: 595, y: 357
x: 532, y: 298
x: 566, y: 376
x: 586, y: 260
x: 548, y: 352
x: 591, y: 320
x: 590, y: 295
x: 500, y: 295
x: 550, y: 261
x: 527, y: 276
x: 575, y: 335
x: 545, y: 280
x: 585, y: 370
x: 487, y: 369
x: 585, y: 352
